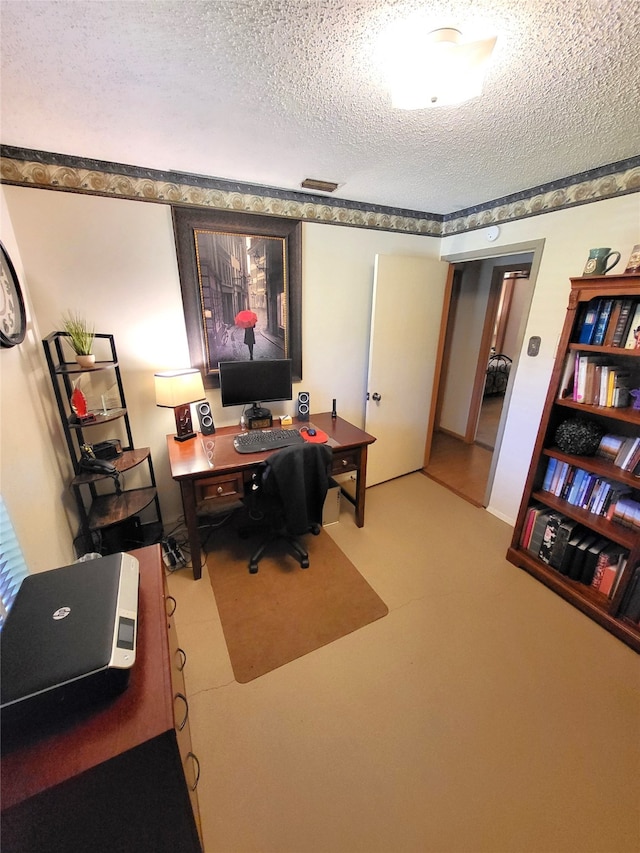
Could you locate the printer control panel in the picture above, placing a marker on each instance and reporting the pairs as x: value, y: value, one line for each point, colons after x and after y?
x: 123, y: 653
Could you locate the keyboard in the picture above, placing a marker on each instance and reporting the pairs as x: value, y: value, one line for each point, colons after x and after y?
x: 259, y: 440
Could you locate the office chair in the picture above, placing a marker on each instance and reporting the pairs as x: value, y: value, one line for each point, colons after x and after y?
x: 289, y: 493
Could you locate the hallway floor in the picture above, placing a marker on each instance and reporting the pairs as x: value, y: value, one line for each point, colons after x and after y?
x: 464, y: 468
x: 482, y: 715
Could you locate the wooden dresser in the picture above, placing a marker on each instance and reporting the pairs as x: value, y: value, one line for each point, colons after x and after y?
x: 121, y: 777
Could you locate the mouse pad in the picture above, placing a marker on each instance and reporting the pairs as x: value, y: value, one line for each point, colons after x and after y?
x: 319, y: 438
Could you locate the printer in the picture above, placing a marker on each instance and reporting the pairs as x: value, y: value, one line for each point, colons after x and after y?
x: 68, y: 642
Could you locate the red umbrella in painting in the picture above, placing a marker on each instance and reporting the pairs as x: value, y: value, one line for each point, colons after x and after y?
x: 246, y: 319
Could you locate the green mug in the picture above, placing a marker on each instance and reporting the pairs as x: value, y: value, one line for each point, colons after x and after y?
x: 597, y: 262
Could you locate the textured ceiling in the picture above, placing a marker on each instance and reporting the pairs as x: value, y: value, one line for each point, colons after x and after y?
x: 274, y: 91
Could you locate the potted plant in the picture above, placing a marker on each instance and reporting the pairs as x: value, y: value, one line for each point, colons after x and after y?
x: 80, y: 338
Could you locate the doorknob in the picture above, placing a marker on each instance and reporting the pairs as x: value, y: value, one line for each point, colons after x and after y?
x: 376, y: 397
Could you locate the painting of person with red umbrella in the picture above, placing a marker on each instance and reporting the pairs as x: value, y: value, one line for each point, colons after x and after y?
x: 247, y: 320
x: 243, y: 300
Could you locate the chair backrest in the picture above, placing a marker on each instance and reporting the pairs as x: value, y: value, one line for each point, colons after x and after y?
x: 298, y: 477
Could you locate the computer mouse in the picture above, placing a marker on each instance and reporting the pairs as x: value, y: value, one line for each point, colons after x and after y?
x: 311, y: 431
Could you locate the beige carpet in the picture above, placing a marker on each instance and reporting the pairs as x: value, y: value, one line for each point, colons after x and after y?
x: 284, y: 612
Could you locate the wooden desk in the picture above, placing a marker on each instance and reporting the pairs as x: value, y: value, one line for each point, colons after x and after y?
x: 220, y: 474
x: 119, y: 776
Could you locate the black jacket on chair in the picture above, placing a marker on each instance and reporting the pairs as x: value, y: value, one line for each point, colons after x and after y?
x: 299, y: 477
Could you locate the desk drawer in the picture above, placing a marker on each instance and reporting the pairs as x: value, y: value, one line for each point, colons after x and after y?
x: 219, y: 488
x: 346, y: 460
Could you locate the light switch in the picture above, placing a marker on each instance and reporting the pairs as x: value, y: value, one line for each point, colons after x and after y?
x: 534, y: 345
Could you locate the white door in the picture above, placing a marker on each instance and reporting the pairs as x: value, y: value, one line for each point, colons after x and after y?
x: 408, y: 295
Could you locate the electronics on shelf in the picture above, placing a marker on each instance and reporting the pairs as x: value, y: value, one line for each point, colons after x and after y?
x: 69, y: 640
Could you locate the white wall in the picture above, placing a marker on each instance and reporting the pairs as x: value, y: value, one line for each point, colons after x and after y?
x: 468, y: 322
x: 31, y: 481
x: 568, y: 235
x: 115, y: 260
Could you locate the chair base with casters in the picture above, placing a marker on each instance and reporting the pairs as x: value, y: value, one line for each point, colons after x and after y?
x: 289, y: 492
x: 295, y: 544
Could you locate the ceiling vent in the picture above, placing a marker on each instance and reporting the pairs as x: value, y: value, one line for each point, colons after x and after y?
x: 320, y: 186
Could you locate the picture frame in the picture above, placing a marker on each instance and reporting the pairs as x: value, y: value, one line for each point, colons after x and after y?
x: 13, y: 316
x: 231, y: 262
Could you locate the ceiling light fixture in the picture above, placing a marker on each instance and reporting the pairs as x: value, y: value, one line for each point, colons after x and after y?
x: 435, y: 69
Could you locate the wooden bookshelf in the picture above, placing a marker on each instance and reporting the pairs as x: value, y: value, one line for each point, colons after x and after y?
x: 616, y: 611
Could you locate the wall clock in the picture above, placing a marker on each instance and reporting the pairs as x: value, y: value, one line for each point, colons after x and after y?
x: 13, y: 318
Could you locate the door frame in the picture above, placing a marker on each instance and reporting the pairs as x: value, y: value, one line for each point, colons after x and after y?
x: 534, y: 247
x: 493, y: 302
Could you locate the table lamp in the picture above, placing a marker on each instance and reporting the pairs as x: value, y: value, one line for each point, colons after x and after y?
x: 177, y: 389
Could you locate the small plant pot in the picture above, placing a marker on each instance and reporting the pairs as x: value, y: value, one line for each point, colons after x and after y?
x: 86, y: 360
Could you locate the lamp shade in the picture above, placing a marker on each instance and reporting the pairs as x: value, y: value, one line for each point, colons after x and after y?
x: 178, y: 387
x: 437, y: 68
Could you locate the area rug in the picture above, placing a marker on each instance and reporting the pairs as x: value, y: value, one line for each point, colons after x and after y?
x: 283, y: 612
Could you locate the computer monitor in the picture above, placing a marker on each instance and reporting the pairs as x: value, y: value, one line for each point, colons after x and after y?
x: 244, y: 383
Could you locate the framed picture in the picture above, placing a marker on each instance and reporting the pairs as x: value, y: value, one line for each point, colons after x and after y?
x: 13, y: 318
x: 241, y: 281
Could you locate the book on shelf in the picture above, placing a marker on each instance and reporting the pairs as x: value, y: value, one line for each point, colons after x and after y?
x: 539, y: 527
x: 631, y: 603
x: 617, y: 492
x: 611, y: 561
x: 529, y: 521
x: 617, y: 392
x: 588, y: 327
x: 634, y: 461
x: 633, y: 333
x: 626, y: 511
x: 604, y: 385
x: 606, y: 489
x: 592, y: 382
x: 565, y: 389
x: 604, y: 314
x: 586, y: 490
x: 626, y: 452
x: 575, y: 538
x: 613, y: 322
x: 566, y: 530
x: 558, y: 484
x: 578, y: 558
x: 591, y: 556
x: 568, y: 483
x: 609, y: 446
x: 580, y: 384
x: 549, y: 536
x: 548, y: 476
x: 624, y: 320
x: 619, y: 574
x: 576, y: 486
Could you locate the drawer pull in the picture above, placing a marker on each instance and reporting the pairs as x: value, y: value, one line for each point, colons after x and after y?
x: 194, y: 758
x: 171, y: 599
x: 182, y: 655
x: 220, y: 490
x: 186, y: 710
x: 345, y: 462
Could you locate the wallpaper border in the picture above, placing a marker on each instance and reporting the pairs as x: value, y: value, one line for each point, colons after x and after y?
x: 46, y: 170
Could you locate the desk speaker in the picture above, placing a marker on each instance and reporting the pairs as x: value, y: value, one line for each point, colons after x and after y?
x: 206, y: 418
x: 302, y: 406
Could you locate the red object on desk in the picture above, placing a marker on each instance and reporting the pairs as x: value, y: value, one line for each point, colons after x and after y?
x: 319, y: 438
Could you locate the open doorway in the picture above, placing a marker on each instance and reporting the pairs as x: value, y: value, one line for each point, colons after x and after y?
x: 489, y: 301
